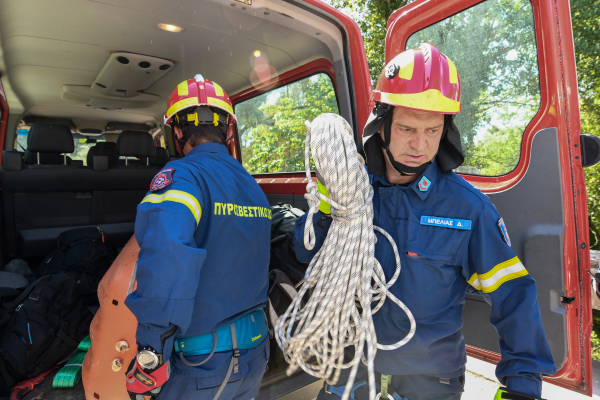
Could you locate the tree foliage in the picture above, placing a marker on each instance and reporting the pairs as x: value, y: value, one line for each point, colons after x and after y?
x: 586, y: 34
x: 272, y: 128
x: 372, y: 17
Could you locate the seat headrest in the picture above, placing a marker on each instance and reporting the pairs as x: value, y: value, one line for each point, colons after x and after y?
x: 108, y: 149
x: 136, y: 144
x: 50, y: 138
x: 161, y: 158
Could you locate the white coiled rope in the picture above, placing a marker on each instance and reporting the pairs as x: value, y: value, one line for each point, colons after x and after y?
x: 344, y: 276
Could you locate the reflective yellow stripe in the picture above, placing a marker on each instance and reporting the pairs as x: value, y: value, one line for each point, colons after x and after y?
x: 177, y: 196
x: 180, y: 105
x: 432, y: 100
x: 473, y: 281
x: 183, y: 89
x: 218, y: 89
x: 219, y: 103
x: 452, y: 73
x: 503, y: 272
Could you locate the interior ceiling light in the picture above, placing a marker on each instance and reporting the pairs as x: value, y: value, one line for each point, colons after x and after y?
x: 170, y: 28
x: 257, y: 53
x: 249, y: 2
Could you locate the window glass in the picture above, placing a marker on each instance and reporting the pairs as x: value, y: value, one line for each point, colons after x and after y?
x: 21, y: 142
x: 271, y: 125
x: 493, y: 47
x: 82, y: 143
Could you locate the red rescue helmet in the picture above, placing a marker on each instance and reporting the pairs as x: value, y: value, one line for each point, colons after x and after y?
x: 199, y: 101
x: 198, y: 92
x: 421, y: 79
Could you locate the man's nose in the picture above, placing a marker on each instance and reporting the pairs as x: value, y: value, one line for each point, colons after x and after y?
x: 417, y: 141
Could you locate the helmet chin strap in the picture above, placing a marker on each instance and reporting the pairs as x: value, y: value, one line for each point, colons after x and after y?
x: 402, y: 169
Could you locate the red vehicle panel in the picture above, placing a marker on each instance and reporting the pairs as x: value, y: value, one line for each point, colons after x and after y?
x: 560, y: 109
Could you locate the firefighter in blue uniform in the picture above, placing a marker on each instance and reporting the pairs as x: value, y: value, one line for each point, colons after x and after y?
x: 202, y: 270
x: 450, y: 238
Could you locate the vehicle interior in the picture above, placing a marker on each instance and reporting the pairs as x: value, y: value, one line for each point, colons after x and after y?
x: 86, y: 100
x: 86, y: 85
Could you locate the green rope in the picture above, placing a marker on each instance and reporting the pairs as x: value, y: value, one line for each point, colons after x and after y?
x: 85, y: 344
x: 70, y: 374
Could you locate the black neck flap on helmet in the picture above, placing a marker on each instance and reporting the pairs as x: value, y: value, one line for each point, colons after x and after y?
x: 189, y: 122
x: 449, y: 155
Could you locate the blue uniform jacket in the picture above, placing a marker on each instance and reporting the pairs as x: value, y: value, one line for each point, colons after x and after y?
x: 440, y: 259
x: 204, y: 234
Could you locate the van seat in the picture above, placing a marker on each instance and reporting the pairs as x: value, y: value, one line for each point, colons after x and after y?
x: 161, y: 158
x: 137, y: 144
x: 46, y: 142
x: 103, y: 149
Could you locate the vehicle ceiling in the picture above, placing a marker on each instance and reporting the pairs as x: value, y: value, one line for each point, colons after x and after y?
x: 47, y: 44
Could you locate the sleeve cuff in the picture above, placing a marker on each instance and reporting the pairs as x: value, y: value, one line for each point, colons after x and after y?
x: 526, y: 385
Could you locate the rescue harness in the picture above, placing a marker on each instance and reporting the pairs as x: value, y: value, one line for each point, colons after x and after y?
x: 245, y: 333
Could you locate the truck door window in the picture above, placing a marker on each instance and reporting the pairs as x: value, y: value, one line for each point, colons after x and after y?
x: 271, y: 125
x: 493, y: 47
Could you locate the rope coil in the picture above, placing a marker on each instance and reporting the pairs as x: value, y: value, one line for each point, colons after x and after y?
x: 344, y: 276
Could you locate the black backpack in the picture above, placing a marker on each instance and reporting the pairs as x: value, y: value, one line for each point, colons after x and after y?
x: 83, y: 254
x: 48, y: 322
x: 283, y: 256
x: 285, y: 271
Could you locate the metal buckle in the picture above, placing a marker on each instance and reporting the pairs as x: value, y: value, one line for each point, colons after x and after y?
x: 326, y: 388
x: 34, y: 295
x: 236, y: 353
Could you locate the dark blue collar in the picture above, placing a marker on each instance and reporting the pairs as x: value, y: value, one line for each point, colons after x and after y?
x: 209, y: 147
x: 422, y: 186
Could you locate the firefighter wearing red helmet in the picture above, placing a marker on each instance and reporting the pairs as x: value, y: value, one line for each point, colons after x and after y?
x: 450, y: 239
x: 204, y: 236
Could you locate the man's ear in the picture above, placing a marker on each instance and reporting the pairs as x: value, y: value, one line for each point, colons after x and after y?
x: 177, y: 132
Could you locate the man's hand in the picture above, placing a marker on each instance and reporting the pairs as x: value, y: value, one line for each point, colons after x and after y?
x: 503, y: 394
x: 142, y: 382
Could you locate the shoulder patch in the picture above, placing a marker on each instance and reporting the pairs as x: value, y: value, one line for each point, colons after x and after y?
x: 163, y: 179
x: 503, y: 231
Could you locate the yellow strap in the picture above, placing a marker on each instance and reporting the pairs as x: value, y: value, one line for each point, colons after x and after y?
x: 324, y: 206
x: 193, y: 118
x: 177, y: 196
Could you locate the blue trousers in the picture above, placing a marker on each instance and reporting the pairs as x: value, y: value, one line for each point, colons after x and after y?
x: 412, y: 387
x: 201, y: 383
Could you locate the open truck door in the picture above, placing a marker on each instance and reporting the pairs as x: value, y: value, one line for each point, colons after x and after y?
x: 520, y: 133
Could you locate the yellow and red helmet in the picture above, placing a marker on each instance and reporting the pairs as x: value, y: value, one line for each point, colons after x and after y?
x: 198, y: 92
x: 420, y: 79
